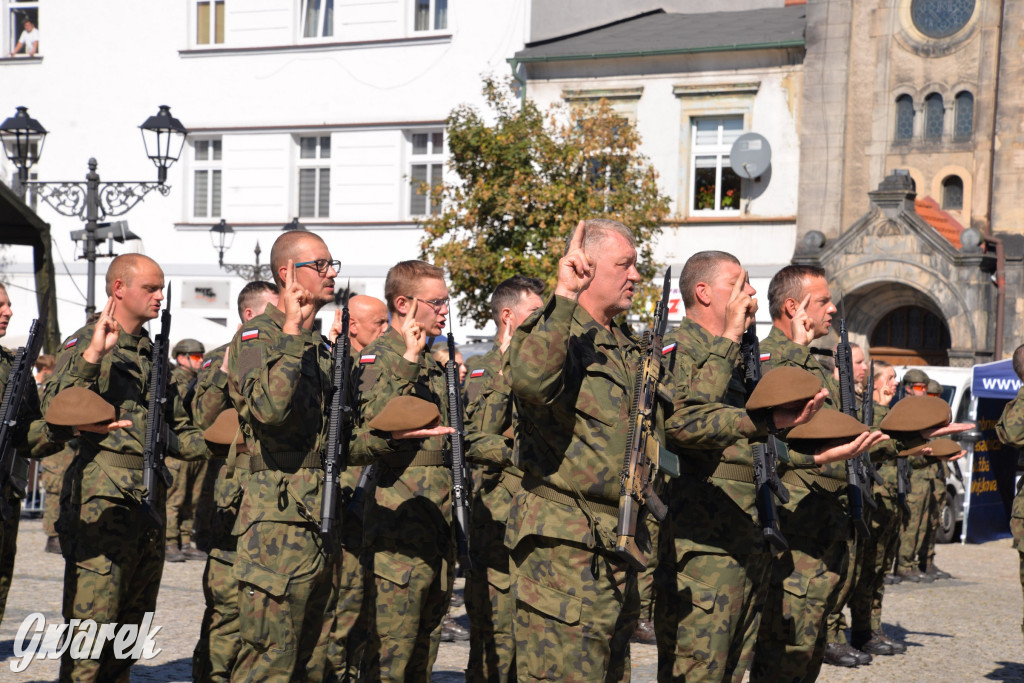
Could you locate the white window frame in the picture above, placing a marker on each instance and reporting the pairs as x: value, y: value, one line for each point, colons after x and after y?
x: 322, y: 27
x: 213, y: 22
x: 320, y: 164
x: 211, y: 167
x: 434, y: 28
x: 433, y: 159
x: 719, y: 150
x: 14, y: 20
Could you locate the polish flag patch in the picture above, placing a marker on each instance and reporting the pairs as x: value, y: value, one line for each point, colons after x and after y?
x: 477, y: 373
x: 765, y: 356
x: 207, y: 364
x: 367, y: 359
x: 70, y: 343
x: 669, y: 349
x: 250, y: 334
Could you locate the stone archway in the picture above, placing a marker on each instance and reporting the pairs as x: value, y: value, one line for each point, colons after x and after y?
x: 901, y: 324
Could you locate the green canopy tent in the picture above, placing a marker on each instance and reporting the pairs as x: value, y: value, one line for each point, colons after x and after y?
x: 19, y: 224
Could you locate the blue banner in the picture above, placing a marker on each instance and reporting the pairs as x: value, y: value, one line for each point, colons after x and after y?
x: 992, y: 477
x: 995, y: 380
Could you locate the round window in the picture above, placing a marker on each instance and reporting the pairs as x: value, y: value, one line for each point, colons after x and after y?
x: 941, y: 18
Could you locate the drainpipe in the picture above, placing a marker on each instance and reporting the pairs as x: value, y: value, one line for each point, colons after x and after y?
x: 514, y: 64
x: 1000, y: 259
x: 1000, y: 294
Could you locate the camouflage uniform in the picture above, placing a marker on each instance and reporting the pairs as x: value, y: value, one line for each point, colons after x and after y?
x: 51, y: 477
x: 1010, y: 429
x: 184, y: 492
x: 219, y: 644
x: 408, y: 542
x: 113, y: 546
x: 713, y: 557
x: 280, y: 385
x: 814, y: 575
x: 939, y: 470
x: 576, y: 600
x: 489, y: 413
x: 915, y: 526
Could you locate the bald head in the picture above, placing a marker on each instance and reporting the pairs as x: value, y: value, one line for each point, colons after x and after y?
x: 290, y: 245
x: 125, y: 267
x: 368, y: 319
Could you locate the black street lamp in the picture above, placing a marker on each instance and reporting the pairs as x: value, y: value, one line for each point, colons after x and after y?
x: 92, y: 201
x: 222, y: 236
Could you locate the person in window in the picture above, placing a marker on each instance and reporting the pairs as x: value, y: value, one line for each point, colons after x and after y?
x: 29, y: 40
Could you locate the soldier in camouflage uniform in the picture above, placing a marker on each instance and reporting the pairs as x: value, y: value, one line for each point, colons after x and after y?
x: 572, y: 374
x: 185, y: 491
x: 714, y: 562
x: 814, y: 575
x: 280, y: 380
x: 915, y: 525
x: 218, y: 646
x: 408, y: 537
x: 940, y: 472
x: 1010, y: 430
x: 489, y: 415
x: 52, y: 469
x: 113, y: 547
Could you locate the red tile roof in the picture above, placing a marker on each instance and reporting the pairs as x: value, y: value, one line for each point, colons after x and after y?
x: 947, y: 226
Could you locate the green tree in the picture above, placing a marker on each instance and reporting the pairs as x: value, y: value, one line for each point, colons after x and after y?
x: 524, y: 182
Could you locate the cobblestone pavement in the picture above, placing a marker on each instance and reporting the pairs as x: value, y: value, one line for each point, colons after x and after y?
x: 965, y: 629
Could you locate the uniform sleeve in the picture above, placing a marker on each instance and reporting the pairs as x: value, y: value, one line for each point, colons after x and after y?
x: 389, y: 375
x: 212, y: 396
x: 486, y: 421
x: 539, y: 351
x: 190, y: 442
x: 1010, y: 427
x: 268, y: 368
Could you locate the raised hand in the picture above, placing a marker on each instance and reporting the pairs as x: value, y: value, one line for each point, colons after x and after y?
x: 575, y: 270
x: 850, y: 449
x: 297, y: 301
x: 793, y: 414
x: 104, y: 334
x: 414, y: 333
x: 335, y: 331
x: 506, y: 339
x: 802, y: 326
x: 740, y: 310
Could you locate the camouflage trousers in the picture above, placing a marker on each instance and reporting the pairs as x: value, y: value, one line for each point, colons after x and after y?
x: 218, y: 647
x: 52, y: 477
x: 934, y: 511
x: 183, y: 498
x: 114, y: 559
x: 1017, y: 531
x: 646, y: 584
x: 8, y: 549
x: 286, y: 602
x: 916, y: 524
x: 576, y: 609
x: 806, y: 583
x: 410, y: 591
x: 349, y: 634
x: 711, y: 584
x: 875, y: 559
x: 489, y: 603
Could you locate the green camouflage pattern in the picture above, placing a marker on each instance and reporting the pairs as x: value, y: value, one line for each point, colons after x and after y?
x: 184, y: 493
x: 212, y: 396
x: 1010, y: 430
x: 51, y: 476
x: 288, y: 579
x: 218, y: 646
x: 408, y: 538
x: 916, y: 525
x: 8, y: 547
x: 576, y: 602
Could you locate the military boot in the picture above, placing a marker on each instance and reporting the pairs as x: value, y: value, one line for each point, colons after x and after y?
x: 644, y: 632
x: 897, y: 647
x: 871, y: 643
x: 191, y: 552
x: 173, y: 553
x: 914, y: 575
x: 837, y: 656
x: 936, y: 573
x: 53, y: 545
x: 452, y: 631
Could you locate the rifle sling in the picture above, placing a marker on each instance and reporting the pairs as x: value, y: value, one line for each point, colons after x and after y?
x: 285, y: 461
x: 127, y: 461
x: 806, y: 478
x: 539, y: 488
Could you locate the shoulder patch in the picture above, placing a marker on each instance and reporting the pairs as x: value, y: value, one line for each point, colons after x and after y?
x: 477, y: 373
x: 367, y: 359
x: 766, y: 357
x: 669, y: 349
x: 250, y: 334
x: 70, y: 342
x: 207, y: 363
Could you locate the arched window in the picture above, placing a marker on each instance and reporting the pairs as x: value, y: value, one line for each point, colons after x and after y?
x: 904, y: 118
x: 934, y: 111
x: 952, y: 193
x: 911, y: 334
x: 963, y: 124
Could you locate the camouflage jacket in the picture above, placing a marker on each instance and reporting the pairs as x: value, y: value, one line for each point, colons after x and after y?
x: 479, y: 375
x: 406, y: 496
x: 191, y: 446
x: 280, y: 384
x: 32, y: 437
x: 212, y: 396
x: 1010, y: 430
x: 489, y: 412
x: 573, y: 385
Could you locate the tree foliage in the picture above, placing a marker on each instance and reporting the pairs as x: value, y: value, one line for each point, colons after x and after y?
x: 523, y: 184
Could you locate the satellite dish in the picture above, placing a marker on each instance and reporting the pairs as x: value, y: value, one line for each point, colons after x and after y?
x: 750, y: 156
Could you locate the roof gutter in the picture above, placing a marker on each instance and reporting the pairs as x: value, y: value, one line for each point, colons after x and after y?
x: 514, y: 65
x: 775, y: 45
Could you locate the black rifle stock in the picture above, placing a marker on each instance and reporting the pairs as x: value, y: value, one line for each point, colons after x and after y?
x: 460, y: 470
x: 766, y: 456
x: 867, y: 410
x: 154, y: 451
x: 19, y: 381
x: 335, y: 457
x: 642, y: 458
x: 364, y: 487
x: 854, y: 476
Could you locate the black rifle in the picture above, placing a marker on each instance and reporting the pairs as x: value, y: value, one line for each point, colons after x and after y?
x: 766, y: 455
x: 19, y: 381
x: 867, y: 411
x: 335, y: 457
x: 460, y: 469
x: 854, y: 471
x: 642, y: 459
x: 365, y: 485
x: 157, y: 432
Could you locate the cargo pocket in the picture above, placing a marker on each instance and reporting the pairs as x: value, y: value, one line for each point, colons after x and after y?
x: 548, y: 625
x: 702, y: 595
x: 796, y: 610
x: 392, y: 577
x: 262, y: 610
x: 696, y: 608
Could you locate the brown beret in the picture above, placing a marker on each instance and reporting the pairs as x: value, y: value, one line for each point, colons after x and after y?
x: 406, y: 412
x: 79, y: 406
x: 941, y: 448
x: 783, y: 385
x: 828, y: 424
x: 224, y: 429
x: 915, y: 413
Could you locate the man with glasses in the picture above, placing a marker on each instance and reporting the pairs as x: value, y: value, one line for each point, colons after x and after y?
x: 408, y: 543
x: 183, y: 493
x: 279, y: 377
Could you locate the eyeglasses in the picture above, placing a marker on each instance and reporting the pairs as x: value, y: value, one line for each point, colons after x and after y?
x: 195, y: 356
x: 322, y: 265
x: 436, y: 304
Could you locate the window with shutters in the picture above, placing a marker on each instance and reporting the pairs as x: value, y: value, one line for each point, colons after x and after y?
x: 314, y: 176
x: 206, y: 178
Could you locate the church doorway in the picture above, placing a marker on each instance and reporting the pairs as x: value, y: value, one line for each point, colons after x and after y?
x: 911, y: 335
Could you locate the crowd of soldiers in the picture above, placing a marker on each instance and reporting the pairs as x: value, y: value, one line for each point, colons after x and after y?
x: 546, y: 411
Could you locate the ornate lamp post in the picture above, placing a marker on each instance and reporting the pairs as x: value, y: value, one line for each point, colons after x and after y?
x: 92, y: 201
x: 222, y: 236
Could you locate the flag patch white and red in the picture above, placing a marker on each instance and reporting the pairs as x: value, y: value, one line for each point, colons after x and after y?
x: 477, y: 373
x: 70, y: 342
x: 669, y: 349
x: 250, y: 334
x: 367, y: 359
x: 207, y: 364
x: 765, y: 356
